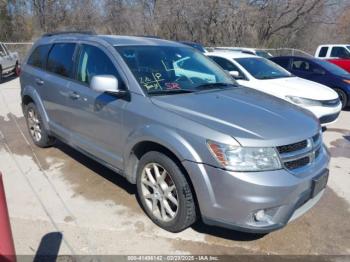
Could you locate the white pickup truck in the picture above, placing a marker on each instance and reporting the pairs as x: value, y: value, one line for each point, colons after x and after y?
x: 9, y: 62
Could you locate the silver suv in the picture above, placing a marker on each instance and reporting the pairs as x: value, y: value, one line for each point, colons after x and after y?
x: 172, y: 122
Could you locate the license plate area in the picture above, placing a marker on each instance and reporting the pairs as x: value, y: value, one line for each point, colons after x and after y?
x: 319, y: 183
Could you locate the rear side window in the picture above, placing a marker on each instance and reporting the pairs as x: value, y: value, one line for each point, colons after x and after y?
x: 323, y: 51
x: 93, y: 61
x: 340, y: 52
x: 60, y: 60
x: 38, y: 57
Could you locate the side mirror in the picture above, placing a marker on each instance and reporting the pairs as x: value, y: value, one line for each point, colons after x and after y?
x: 2, y: 53
x: 235, y: 74
x: 107, y: 84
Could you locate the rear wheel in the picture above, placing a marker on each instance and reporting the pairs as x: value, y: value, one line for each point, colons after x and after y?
x: 164, y: 192
x: 342, y: 96
x: 1, y: 76
x: 36, y: 129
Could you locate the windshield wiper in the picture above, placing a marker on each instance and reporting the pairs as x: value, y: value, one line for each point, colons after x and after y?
x: 170, y: 92
x: 213, y: 86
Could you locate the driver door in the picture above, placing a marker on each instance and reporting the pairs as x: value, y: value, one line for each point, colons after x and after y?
x: 97, y: 118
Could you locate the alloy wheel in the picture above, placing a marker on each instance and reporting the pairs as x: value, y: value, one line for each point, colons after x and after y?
x: 34, y: 125
x: 159, y: 192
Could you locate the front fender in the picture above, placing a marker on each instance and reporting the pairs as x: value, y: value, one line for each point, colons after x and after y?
x: 34, y: 95
x: 164, y: 136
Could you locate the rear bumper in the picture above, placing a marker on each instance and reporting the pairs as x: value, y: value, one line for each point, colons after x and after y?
x: 231, y: 199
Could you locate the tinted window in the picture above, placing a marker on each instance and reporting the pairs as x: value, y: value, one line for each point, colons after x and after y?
x: 284, y: 62
x: 301, y: 65
x: 306, y: 66
x: 341, y: 52
x: 261, y: 68
x: 168, y: 69
x: 323, y: 51
x: 38, y: 57
x: 60, y: 60
x: 93, y: 61
x: 225, y: 64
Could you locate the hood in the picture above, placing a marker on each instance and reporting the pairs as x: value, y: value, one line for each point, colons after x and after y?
x: 293, y: 86
x: 251, y: 117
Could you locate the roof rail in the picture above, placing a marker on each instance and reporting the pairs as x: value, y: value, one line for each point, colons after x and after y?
x: 69, y: 32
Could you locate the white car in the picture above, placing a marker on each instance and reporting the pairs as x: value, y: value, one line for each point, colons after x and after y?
x: 266, y: 76
x: 9, y: 62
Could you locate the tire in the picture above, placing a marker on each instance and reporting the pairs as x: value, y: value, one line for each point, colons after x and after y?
x: 36, y: 129
x: 1, y: 76
x: 181, y: 215
x: 343, y: 97
x: 17, y: 70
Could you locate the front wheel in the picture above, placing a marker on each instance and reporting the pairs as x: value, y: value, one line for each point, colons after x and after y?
x: 343, y: 97
x: 165, y: 193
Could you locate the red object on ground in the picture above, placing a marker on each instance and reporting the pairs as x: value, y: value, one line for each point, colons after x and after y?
x: 7, y: 248
x: 343, y: 63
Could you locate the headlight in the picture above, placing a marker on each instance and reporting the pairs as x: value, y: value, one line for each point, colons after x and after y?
x: 237, y: 158
x: 303, y: 101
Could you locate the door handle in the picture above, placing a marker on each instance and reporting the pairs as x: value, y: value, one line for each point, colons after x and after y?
x: 74, y: 95
x: 39, y: 81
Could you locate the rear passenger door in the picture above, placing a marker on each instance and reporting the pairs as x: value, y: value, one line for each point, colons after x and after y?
x: 55, y: 86
x: 96, y: 118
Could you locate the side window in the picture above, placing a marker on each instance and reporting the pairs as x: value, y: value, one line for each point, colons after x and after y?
x: 284, y: 62
x: 93, y: 61
x: 60, y: 60
x: 228, y: 66
x: 39, y: 56
x: 2, y: 51
x: 301, y: 65
x: 341, y: 52
x: 323, y: 51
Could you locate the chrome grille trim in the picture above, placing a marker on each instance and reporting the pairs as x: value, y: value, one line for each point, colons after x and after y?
x: 294, y: 161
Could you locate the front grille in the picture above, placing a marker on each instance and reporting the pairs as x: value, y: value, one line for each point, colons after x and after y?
x: 292, y: 147
x: 300, y: 154
x: 333, y: 102
x: 297, y: 163
x: 329, y: 118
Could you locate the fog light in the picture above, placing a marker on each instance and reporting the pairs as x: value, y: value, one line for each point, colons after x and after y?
x: 260, y: 216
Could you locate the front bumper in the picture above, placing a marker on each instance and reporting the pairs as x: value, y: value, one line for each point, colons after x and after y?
x: 230, y: 199
x: 325, y: 114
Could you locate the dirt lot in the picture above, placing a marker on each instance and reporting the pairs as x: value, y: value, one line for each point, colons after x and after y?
x: 59, y: 192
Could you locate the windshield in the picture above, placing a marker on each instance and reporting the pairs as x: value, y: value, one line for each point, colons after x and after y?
x: 334, y: 69
x: 261, y: 68
x: 167, y: 69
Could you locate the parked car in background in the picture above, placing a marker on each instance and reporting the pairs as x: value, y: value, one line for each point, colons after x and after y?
x: 9, y: 62
x: 195, y: 143
x: 264, y: 75
x: 320, y: 71
x: 195, y: 45
x: 336, y: 54
x: 247, y: 50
